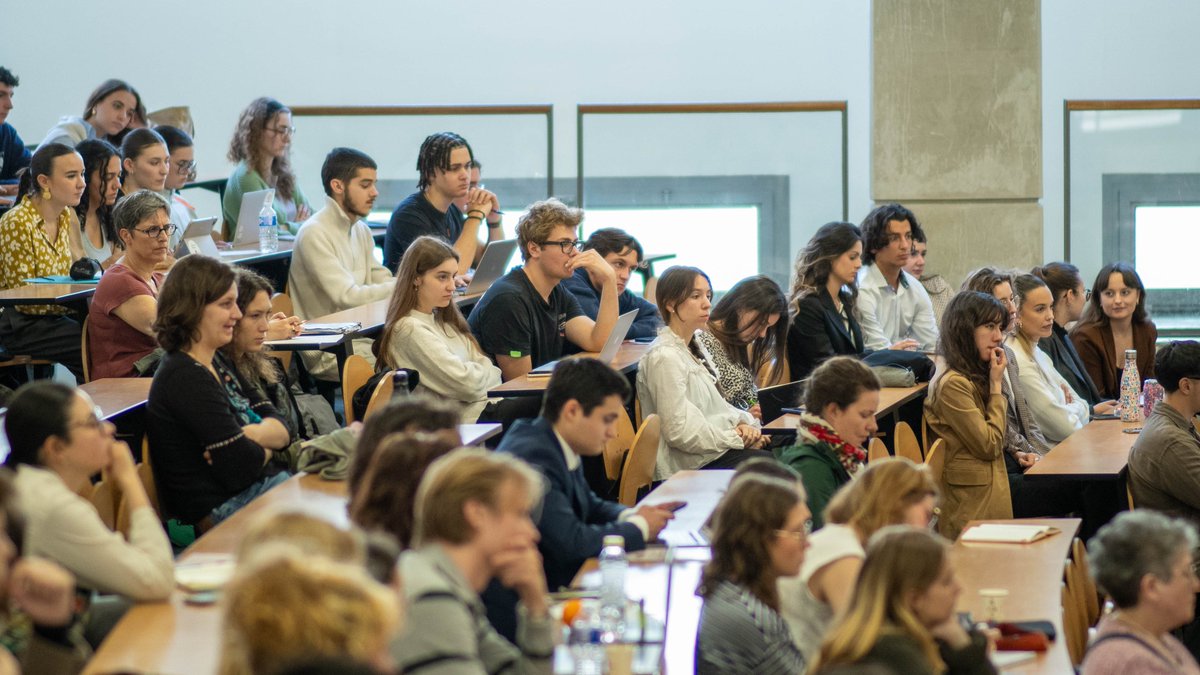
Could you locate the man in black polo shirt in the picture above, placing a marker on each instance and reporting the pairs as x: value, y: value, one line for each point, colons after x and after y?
x: 522, y: 320
x: 444, y: 163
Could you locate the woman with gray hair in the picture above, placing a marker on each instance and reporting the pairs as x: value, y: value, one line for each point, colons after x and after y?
x: 1143, y: 561
x: 120, y: 322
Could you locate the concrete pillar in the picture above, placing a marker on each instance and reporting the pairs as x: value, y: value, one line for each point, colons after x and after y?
x: 956, y: 128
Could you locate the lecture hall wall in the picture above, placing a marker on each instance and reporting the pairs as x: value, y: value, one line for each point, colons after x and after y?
x: 217, y: 55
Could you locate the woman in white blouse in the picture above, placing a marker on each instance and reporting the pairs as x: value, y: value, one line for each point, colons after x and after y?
x: 677, y: 381
x: 425, y: 330
x: 1056, y: 408
x: 58, y: 442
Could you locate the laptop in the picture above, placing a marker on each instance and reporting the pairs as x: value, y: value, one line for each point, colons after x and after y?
x: 772, y: 400
x: 197, y: 238
x: 246, y: 231
x: 615, y: 338
x: 491, y: 267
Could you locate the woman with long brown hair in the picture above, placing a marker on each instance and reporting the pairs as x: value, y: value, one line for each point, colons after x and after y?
x: 824, y: 290
x: 426, y: 331
x: 1070, y: 297
x: 743, y: 334
x: 109, y: 111
x: 1115, y: 320
x: 901, y: 615
x: 760, y: 533
x: 261, y: 145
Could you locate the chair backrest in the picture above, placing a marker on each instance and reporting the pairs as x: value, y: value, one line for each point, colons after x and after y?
x: 355, y: 374
x: 615, y: 449
x: 876, y: 450
x: 639, y: 463
x: 1091, y: 596
x: 282, y: 302
x: 104, y: 497
x: 145, y: 474
x: 935, y: 459
x: 83, y: 350
x: 906, y: 443
x: 379, y: 397
x: 1074, y: 613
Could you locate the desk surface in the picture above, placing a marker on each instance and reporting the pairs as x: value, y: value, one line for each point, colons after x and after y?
x: 890, y: 399
x: 1032, y: 574
x: 248, y: 254
x: 626, y: 361
x: 1098, y: 451
x: 702, y: 490
x: 117, y: 395
x: 46, y: 294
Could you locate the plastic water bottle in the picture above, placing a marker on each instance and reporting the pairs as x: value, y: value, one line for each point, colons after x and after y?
x: 1131, y: 389
x: 399, y: 384
x: 268, y: 229
x: 613, y: 566
x: 587, y: 651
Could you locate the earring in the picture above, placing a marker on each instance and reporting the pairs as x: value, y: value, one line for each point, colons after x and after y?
x: 46, y: 194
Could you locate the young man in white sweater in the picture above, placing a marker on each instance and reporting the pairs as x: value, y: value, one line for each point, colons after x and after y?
x: 333, y: 261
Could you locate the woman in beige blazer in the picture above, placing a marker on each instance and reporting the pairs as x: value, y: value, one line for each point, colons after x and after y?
x: 966, y: 407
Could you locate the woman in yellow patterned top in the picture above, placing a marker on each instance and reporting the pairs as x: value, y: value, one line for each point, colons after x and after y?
x: 34, y: 242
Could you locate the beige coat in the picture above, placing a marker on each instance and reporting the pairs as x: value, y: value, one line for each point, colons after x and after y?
x: 974, y: 479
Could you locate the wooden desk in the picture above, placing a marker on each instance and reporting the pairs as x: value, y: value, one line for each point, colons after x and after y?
x: 1032, y: 574
x: 890, y: 400
x: 626, y: 361
x: 118, y: 395
x: 1098, y: 451
x: 702, y: 490
x: 46, y: 294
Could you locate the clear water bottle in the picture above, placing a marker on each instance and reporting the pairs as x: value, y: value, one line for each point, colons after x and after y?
x: 613, y: 566
x: 268, y: 229
x: 1131, y: 389
x: 587, y: 651
x: 399, y: 384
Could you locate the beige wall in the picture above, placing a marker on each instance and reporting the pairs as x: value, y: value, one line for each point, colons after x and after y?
x: 956, y: 126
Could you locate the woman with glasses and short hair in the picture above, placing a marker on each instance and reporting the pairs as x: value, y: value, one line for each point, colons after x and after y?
x: 261, y: 146
x: 1115, y: 320
x: 58, y: 442
x: 121, y: 320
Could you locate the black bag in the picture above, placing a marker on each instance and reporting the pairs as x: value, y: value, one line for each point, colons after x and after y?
x: 362, y: 397
x: 914, y: 362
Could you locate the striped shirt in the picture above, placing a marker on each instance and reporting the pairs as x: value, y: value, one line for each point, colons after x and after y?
x: 741, y: 634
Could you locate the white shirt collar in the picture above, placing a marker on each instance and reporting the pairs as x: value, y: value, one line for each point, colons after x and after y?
x: 573, y: 460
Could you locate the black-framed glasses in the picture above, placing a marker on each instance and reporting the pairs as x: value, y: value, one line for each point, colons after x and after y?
x: 283, y: 131
x: 156, y: 232
x: 565, y: 245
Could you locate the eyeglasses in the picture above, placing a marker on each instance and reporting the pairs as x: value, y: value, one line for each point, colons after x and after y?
x: 156, y: 232
x: 283, y: 131
x: 565, y: 245
x: 797, y: 534
x: 94, y: 421
x: 185, y: 166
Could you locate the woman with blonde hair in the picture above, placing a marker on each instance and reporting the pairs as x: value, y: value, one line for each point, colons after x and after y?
x: 902, y: 612
x: 261, y: 145
x: 759, y: 535
x: 284, y: 606
x: 426, y: 331
x: 888, y: 492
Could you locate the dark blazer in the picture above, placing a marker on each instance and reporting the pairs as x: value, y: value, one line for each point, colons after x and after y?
x: 817, y: 333
x: 573, y: 520
x: 1066, y: 361
x: 1095, y: 346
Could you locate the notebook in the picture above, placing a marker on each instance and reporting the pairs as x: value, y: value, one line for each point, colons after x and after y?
x: 615, y: 338
x: 1004, y: 533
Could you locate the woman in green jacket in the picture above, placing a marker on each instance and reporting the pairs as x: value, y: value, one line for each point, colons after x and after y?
x: 261, y: 147
x: 841, y: 399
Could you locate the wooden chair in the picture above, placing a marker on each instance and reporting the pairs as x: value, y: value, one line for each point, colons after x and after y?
x: 876, y: 451
x: 28, y: 362
x: 616, y: 449
x: 906, y: 443
x: 146, y: 474
x: 85, y: 356
x: 105, y: 498
x: 935, y: 459
x: 639, y: 463
x: 381, y: 395
x: 280, y: 302
x: 1091, y: 595
x: 1074, y: 613
x: 354, y: 375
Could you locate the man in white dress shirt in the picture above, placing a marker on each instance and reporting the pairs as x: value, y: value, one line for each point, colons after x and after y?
x: 893, y: 308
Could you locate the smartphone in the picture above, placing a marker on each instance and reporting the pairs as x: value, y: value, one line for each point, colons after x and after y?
x: 1132, y: 430
x: 677, y: 507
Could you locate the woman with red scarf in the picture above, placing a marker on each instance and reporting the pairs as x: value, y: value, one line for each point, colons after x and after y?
x: 840, y: 404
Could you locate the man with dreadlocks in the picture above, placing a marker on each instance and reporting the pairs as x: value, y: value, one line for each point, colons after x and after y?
x: 444, y: 164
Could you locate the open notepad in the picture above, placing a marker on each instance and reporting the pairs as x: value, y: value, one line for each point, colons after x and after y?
x: 1003, y: 533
